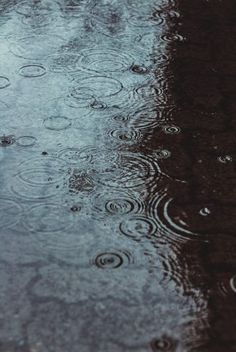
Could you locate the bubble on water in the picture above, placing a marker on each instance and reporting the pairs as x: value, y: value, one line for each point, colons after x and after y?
x: 10, y: 212
x: 138, y: 227
x: 225, y: 159
x: 57, y: 123
x: 6, y: 141
x: 4, y: 82
x: 32, y: 71
x: 113, y: 259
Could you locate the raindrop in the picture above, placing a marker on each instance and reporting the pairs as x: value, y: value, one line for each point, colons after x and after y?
x: 57, y: 123
x: 113, y: 259
x: 26, y: 141
x: 10, y: 212
x: 77, y: 155
x: 32, y: 71
x: 6, y: 141
x: 138, y: 227
x: 205, y: 212
x: 225, y: 159
x: 171, y: 129
x: 48, y: 218
x: 4, y: 82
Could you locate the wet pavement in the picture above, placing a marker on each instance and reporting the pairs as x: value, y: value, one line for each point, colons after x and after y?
x: 117, y: 199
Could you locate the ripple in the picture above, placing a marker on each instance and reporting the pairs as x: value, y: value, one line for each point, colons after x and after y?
x: 225, y: 159
x: 163, y: 344
x: 141, y: 70
x: 162, y: 154
x: 77, y: 155
x: 204, y: 212
x: 4, y: 82
x: 171, y: 129
x: 113, y: 259
x: 32, y: 71
x: 138, y: 227
x: 172, y: 38
x: 101, y: 86
x: 10, y: 212
x: 57, y: 123
x: 143, y: 21
x: 80, y: 182
x: 48, y: 218
x: 42, y: 171
x: 106, y: 60
x: 232, y: 283
x: 36, y: 8
x: 145, y: 119
x: 63, y: 62
x: 176, y: 227
x: 116, y: 203
x: 36, y: 47
x: 6, y: 141
x: 37, y: 21
x: 108, y: 19
x: 129, y: 171
x: 26, y: 141
x: 227, y: 285
x: 126, y: 134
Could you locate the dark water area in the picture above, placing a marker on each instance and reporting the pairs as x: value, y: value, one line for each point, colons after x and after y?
x: 117, y: 154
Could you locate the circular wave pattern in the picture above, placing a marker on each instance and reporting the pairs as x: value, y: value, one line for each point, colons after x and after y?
x: 26, y: 141
x: 42, y: 171
x: 162, y: 154
x: 130, y: 170
x: 113, y: 259
x: 145, y: 119
x: 225, y: 159
x: 106, y: 60
x: 171, y: 129
x: 126, y: 135
x: 165, y: 344
x: 77, y: 155
x: 32, y: 71
x: 48, y: 218
x: 117, y: 203
x: 63, y: 62
x: 4, y: 82
x: 138, y: 227
x: 101, y: 86
x: 36, y: 47
x: 57, y: 123
x: 10, y: 212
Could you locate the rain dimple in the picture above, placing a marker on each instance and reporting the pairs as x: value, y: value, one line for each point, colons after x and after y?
x: 171, y: 129
x: 164, y: 344
x: 6, y: 141
x: 113, y: 259
x: 138, y: 227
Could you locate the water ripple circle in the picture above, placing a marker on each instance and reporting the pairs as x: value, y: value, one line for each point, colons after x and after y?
x: 32, y: 71
x: 10, y: 212
x: 138, y: 227
x: 101, y: 86
x: 113, y: 259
